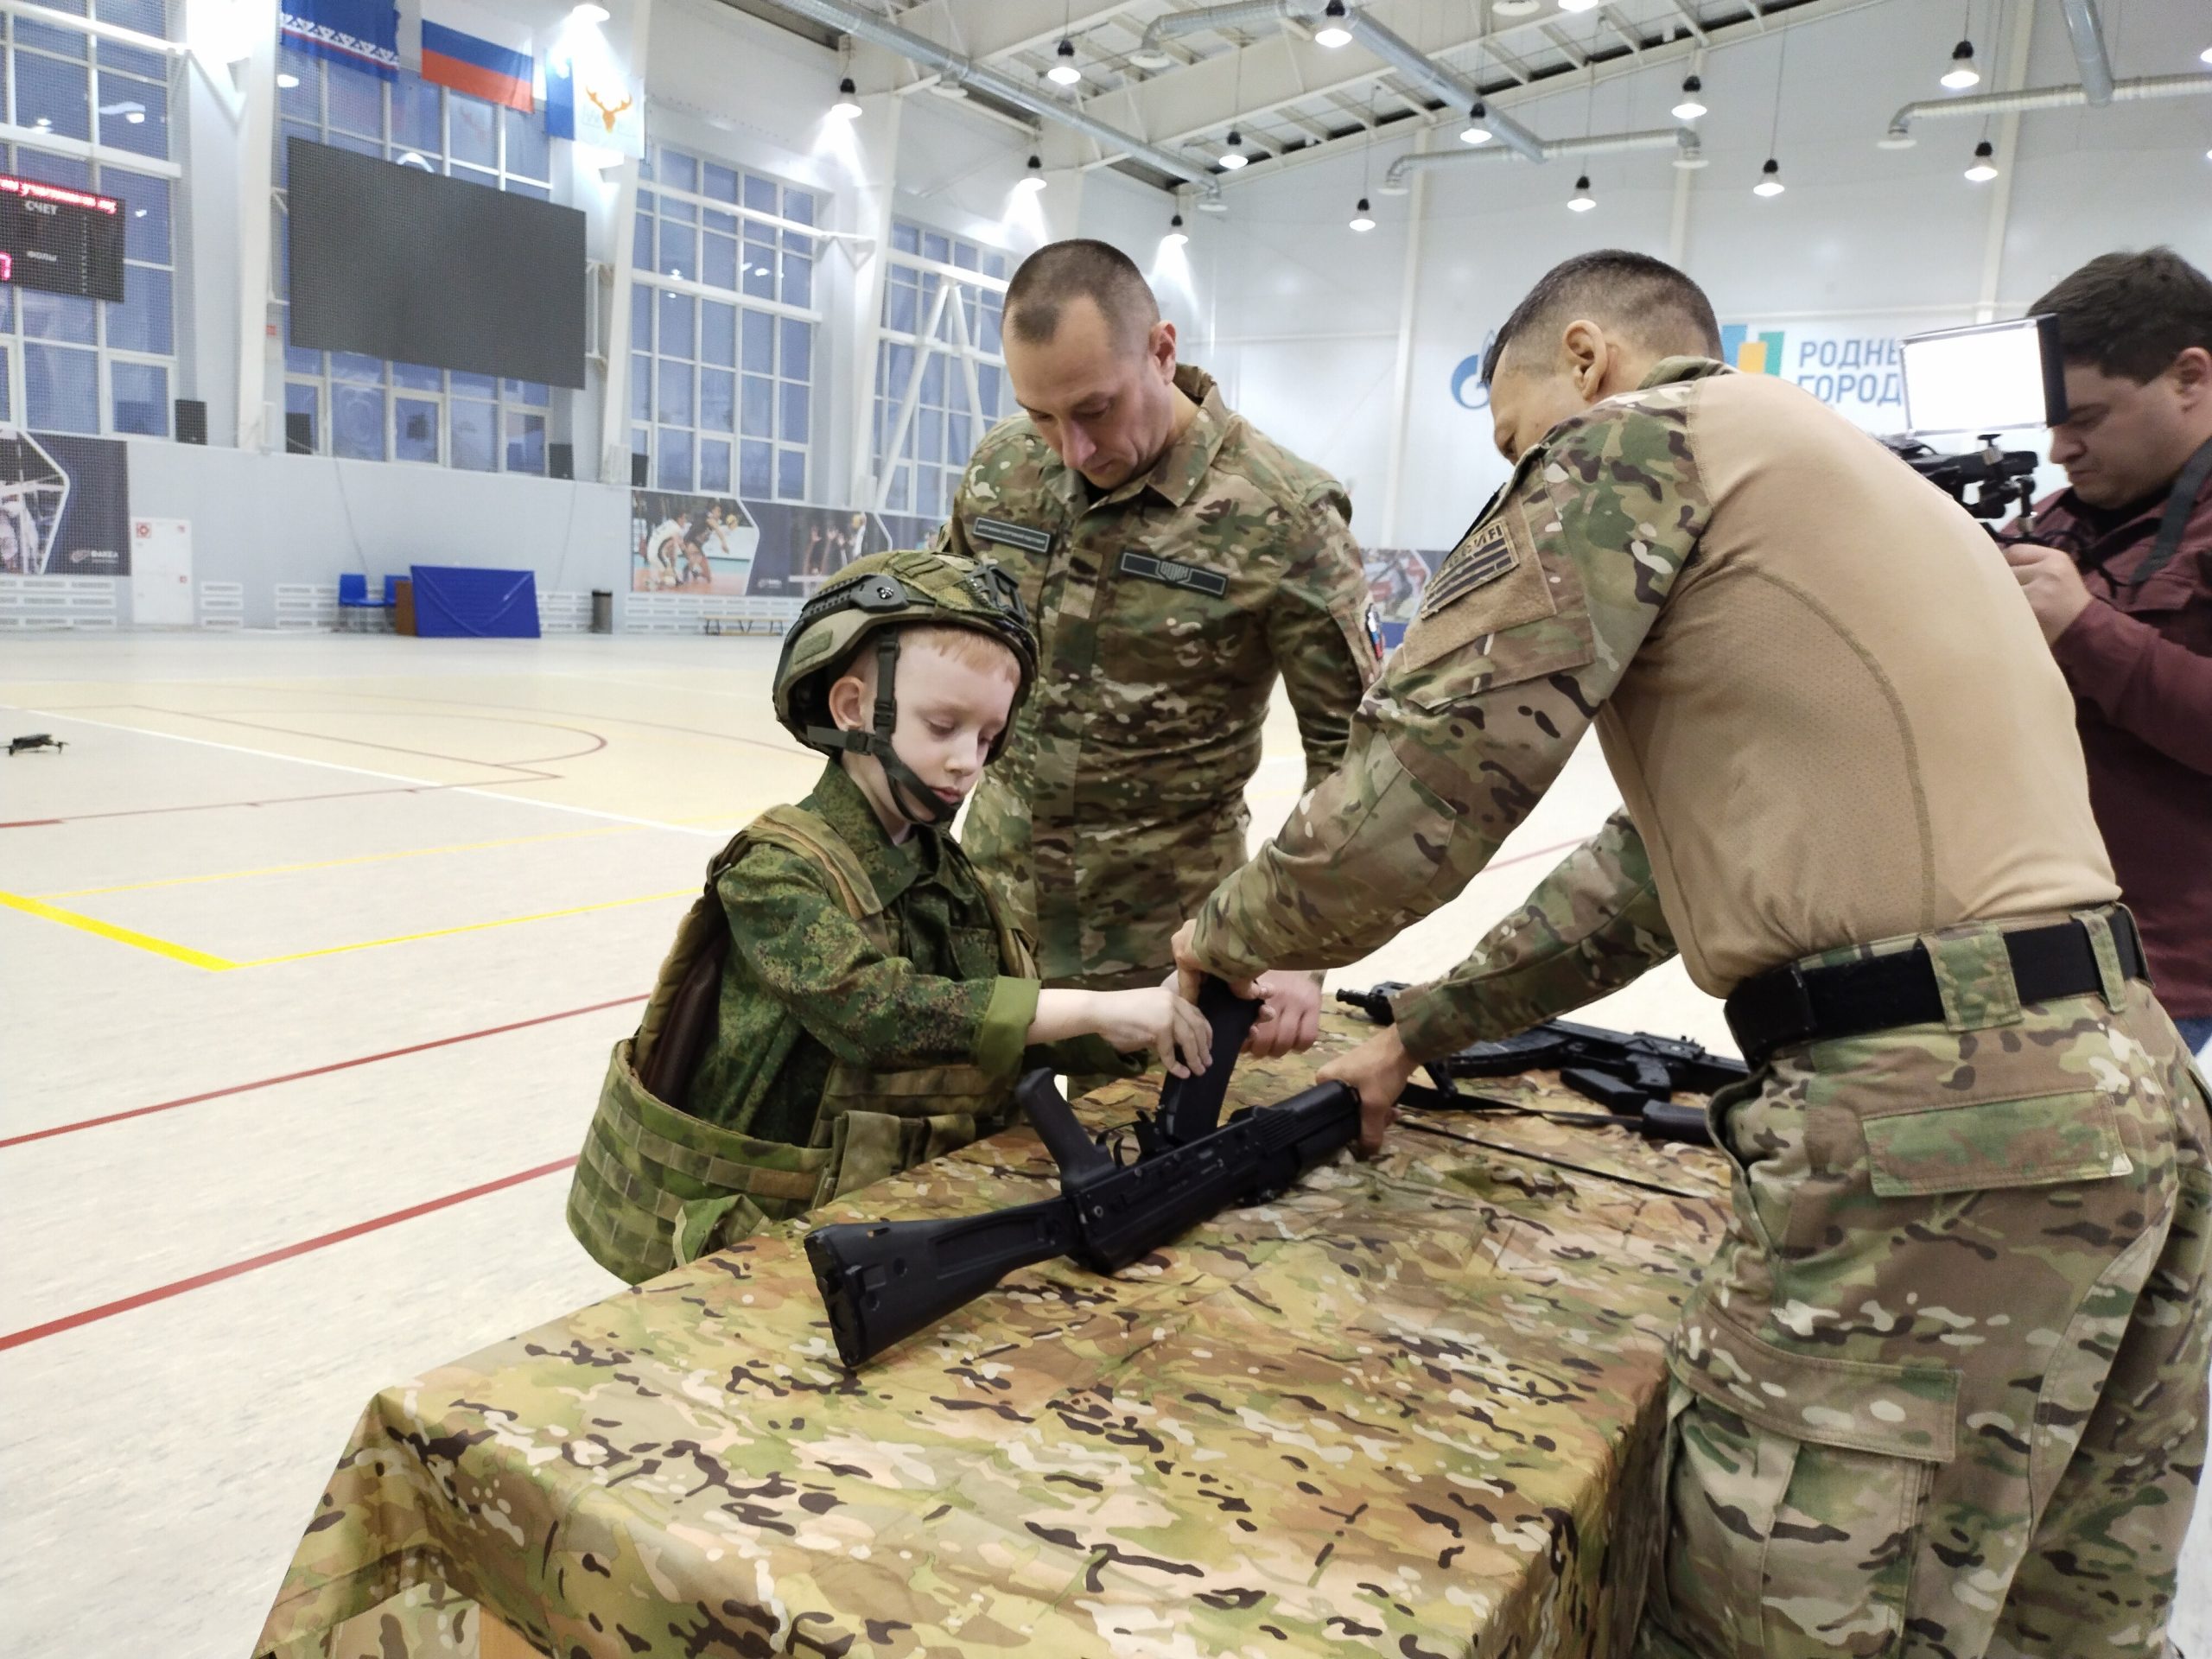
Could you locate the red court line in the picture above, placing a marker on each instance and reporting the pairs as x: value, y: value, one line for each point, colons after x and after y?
x: 217, y: 806
x: 28, y: 824
x: 161, y: 1293
x: 313, y: 1071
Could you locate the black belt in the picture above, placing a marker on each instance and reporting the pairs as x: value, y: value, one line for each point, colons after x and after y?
x: 1789, y: 1005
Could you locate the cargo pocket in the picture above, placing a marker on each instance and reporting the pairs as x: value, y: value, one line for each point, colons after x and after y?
x: 2040, y: 1140
x: 705, y: 1226
x: 1799, y: 1492
x: 869, y: 1147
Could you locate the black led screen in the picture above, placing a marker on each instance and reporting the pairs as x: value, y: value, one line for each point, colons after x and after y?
x: 392, y: 262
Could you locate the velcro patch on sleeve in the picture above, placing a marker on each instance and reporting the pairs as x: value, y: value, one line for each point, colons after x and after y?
x: 1487, y: 553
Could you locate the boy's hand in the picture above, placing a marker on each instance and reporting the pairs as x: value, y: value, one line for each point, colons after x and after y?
x: 1379, y: 1069
x: 1290, y: 1017
x: 1157, y: 1020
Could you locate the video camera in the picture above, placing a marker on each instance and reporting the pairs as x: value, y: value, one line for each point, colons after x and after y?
x: 1987, y: 379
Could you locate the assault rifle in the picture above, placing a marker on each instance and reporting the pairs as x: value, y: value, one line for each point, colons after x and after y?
x: 883, y: 1281
x: 1633, y: 1075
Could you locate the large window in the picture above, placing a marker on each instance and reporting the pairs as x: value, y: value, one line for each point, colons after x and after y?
x: 724, y: 313
x: 940, y: 378
x: 72, y: 365
x: 364, y: 408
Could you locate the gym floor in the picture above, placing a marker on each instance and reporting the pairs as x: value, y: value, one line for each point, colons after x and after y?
x: 312, y: 950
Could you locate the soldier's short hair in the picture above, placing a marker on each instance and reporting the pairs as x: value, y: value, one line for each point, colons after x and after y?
x: 2130, y: 314
x: 1633, y: 292
x: 1080, y: 269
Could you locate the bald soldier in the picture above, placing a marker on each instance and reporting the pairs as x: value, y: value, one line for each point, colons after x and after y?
x: 1176, y: 562
x: 1942, y: 1391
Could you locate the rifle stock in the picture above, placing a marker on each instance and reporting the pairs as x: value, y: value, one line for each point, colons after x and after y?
x: 883, y: 1281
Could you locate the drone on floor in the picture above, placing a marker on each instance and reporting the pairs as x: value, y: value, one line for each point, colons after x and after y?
x: 35, y: 741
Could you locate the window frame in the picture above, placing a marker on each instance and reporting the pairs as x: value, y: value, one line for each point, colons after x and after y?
x: 904, y: 471
x: 644, y: 414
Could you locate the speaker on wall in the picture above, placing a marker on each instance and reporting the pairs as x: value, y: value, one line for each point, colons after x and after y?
x: 561, y: 460
x: 640, y: 475
x: 299, y: 432
x: 191, y: 420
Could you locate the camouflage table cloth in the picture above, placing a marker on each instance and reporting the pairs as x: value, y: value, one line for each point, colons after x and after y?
x: 1410, y: 1408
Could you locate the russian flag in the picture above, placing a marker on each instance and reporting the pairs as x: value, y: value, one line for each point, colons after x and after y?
x: 476, y: 52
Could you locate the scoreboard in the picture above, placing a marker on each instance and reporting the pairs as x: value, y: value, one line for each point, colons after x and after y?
x: 62, y: 241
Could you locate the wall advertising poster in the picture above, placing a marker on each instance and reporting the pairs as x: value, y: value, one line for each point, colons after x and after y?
x: 65, y: 505
x: 803, y: 547
x: 1396, y: 578
x: 690, y: 543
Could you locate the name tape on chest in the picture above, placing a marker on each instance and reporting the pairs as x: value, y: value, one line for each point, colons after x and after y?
x: 1027, y: 536
x: 1174, y: 574
x: 1485, y: 555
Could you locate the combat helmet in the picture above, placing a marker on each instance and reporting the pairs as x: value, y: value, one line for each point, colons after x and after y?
x: 875, y: 597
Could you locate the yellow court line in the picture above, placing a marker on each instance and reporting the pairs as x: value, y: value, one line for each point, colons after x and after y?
x: 182, y: 953
x: 193, y: 958
x: 335, y: 863
x: 467, y: 927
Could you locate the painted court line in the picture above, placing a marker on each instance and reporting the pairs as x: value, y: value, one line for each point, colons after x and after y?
x: 163, y: 1292
x: 339, y: 863
x: 482, y: 792
x: 315, y: 1071
x: 215, y: 965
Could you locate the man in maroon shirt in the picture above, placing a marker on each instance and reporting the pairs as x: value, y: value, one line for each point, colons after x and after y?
x: 2123, y: 588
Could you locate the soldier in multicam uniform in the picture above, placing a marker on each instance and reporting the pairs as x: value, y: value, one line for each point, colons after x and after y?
x: 1942, y: 1391
x: 845, y: 1000
x: 1176, y: 562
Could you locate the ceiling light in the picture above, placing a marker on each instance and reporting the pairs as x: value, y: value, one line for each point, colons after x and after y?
x: 1176, y: 237
x: 1332, y: 32
x: 1581, y: 202
x: 1962, y: 74
x: 1692, y: 105
x: 2206, y: 54
x: 134, y: 117
x: 1689, y: 155
x: 1578, y: 5
x: 1361, y: 218
x: 1390, y: 186
x: 1769, y: 182
x: 1514, y: 7
x: 1232, y: 154
x: 1984, y: 169
x: 287, y: 81
x: 1477, y: 131
x: 1212, y: 205
x: 848, y: 107
x: 1063, y: 72
x: 589, y: 12
x: 1033, y: 177
x: 944, y: 87
x: 1896, y: 138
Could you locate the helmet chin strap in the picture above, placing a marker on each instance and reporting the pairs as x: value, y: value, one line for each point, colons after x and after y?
x: 915, y: 799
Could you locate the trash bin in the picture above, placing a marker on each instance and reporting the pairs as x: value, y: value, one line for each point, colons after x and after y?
x: 602, y: 611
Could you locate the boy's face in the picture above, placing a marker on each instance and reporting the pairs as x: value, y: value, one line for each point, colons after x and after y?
x: 951, y: 711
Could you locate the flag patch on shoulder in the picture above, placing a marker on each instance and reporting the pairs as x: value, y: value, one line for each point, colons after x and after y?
x: 1485, y: 554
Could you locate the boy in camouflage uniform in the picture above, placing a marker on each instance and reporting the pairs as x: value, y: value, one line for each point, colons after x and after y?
x: 862, y: 1003
x: 1178, y: 562
x: 1942, y: 1391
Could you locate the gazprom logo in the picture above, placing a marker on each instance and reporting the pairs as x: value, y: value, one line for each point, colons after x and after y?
x: 1753, y: 354
x: 1467, y: 388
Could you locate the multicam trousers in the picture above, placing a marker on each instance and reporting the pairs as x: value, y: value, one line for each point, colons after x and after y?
x: 1943, y: 1392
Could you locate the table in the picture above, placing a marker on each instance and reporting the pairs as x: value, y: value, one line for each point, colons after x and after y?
x: 1411, y: 1407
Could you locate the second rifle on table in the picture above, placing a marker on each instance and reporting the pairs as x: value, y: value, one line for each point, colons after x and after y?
x: 1633, y: 1075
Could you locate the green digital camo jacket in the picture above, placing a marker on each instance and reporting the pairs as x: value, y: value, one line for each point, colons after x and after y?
x: 1166, y: 609
x: 1507, y: 665
x: 803, y: 986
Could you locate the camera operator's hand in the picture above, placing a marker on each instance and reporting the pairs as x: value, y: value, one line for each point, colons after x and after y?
x: 2052, y: 584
